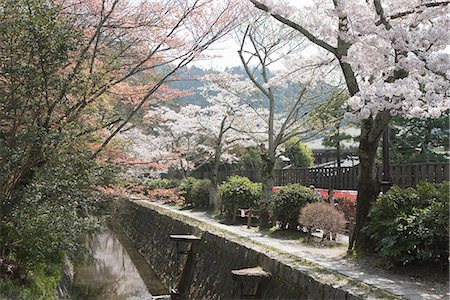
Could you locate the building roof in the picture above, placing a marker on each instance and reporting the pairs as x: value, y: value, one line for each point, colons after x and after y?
x: 316, y: 145
x: 349, y: 161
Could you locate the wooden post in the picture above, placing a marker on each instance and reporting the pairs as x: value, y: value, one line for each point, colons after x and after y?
x: 249, y: 217
x: 184, y: 285
x: 351, y: 230
x: 251, y: 276
x: 386, y: 178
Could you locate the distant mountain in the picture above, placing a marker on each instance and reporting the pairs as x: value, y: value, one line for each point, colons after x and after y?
x: 189, y: 81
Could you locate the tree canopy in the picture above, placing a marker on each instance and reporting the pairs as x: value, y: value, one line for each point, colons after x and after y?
x: 298, y: 153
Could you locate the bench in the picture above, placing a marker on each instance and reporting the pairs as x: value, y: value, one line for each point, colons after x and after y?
x: 248, y: 213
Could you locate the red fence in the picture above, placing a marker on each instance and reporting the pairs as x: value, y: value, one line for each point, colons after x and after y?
x: 401, y: 175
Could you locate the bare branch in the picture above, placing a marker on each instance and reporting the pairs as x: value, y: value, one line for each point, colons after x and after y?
x: 295, y: 26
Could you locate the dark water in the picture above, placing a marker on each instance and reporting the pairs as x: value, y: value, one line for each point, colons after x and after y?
x: 114, y: 270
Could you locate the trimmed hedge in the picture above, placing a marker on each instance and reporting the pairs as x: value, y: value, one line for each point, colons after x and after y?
x: 239, y: 192
x: 186, y: 189
x: 200, y: 193
x: 411, y: 225
x: 159, y: 183
x: 288, y: 201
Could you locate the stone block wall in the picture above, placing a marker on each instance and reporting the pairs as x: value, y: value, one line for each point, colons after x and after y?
x: 219, y: 253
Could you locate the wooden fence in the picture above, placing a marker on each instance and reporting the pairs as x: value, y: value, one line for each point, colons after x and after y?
x: 402, y: 175
x: 411, y: 174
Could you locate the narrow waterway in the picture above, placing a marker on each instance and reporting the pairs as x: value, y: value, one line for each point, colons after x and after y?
x: 114, y: 270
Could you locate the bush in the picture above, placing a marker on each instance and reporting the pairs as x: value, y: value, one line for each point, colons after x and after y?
x: 287, y: 202
x: 159, y: 183
x: 347, y: 207
x: 186, y: 188
x: 322, y: 216
x: 200, y: 193
x: 239, y: 192
x: 411, y: 225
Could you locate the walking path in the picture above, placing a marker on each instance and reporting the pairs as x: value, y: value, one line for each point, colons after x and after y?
x: 328, y: 258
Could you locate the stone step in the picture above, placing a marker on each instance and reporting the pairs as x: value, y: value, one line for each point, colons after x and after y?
x: 186, y: 238
x: 248, y: 273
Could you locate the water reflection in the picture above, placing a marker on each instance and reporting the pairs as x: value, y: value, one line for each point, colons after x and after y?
x: 109, y: 273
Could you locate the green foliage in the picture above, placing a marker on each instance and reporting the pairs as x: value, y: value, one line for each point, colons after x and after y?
x: 55, y: 212
x: 31, y: 79
x: 298, y: 153
x: 334, y: 138
x: 251, y: 159
x: 239, y: 192
x: 420, y: 139
x: 47, y: 176
x: 330, y: 113
x: 42, y: 284
x: 288, y: 201
x: 186, y: 188
x: 200, y: 193
x: 411, y: 225
x: 159, y: 183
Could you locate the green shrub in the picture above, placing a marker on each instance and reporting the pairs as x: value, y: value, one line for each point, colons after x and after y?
x: 239, y: 192
x: 411, y: 226
x: 159, y: 183
x: 200, y: 193
x: 287, y: 202
x: 186, y: 189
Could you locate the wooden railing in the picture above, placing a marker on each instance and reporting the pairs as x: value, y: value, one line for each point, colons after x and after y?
x: 402, y: 175
x: 411, y: 174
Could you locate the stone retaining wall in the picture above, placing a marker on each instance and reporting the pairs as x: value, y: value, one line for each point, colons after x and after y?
x: 149, y: 226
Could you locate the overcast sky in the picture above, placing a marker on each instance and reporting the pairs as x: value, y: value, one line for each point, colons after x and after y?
x: 224, y: 52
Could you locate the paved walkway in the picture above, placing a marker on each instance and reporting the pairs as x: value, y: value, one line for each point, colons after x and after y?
x: 329, y: 258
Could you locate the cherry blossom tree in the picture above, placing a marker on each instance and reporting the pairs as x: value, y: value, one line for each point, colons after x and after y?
x: 65, y: 75
x: 391, y: 56
x: 205, y: 134
x: 174, y: 133
x: 221, y: 123
x: 263, y: 44
x: 148, y: 153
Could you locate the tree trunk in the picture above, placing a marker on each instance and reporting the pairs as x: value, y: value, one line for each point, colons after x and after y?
x: 214, y: 201
x: 368, y: 184
x: 338, y: 159
x: 293, y: 223
x: 268, y: 182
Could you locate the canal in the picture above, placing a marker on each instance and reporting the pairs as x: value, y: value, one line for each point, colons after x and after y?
x: 113, y: 269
